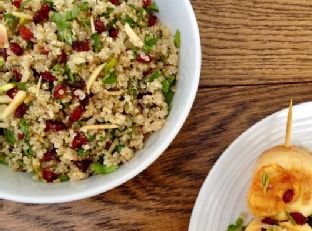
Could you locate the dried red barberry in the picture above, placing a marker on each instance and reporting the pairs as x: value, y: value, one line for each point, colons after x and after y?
x: 288, y: 196
x: 4, y: 53
x: 79, y: 140
x: 54, y: 126
x: 20, y: 111
x: 20, y: 136
x: 62, y: 58
x: 83, y: 165
x: 115, y: 2
x: 59, y: 91
x: 17, y: 3
x: 147, y: 3
x: 49, y: 155
x: 299, y: 218
x: 25, y: 33
x: 42, y: 15
x: 17, y: 75
x: 12, y: 92
x: 81, y: 45
x: 99, y: 26
x: 16, y: 49
x: 113, y: 32
x: 269, y: 221
x: 48, y: 175
x: 142, y: 58
x: 152, y: 20
x: 77, y: 113
x: 47, y: 76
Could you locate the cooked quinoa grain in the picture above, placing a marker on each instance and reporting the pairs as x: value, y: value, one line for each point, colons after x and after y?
x: 83, y: 84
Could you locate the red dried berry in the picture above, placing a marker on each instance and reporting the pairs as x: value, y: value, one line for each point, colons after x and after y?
x: 142, y: 58
x: 79, y: 140
x: 54, y: 126
x: 20, y: 111
x: 152, y: 20
x: 269, y: 221
x: 288, y: 196
x: 147, y: 3
x: 81, y: 45
x: 17, y: 75
x: 113, y: 32
x: 59, y: 91
x: 47, y: 76
x: 83, y: 165
x: 49, y: 155
x: 148, y: 72
x: 17, y: 3
x: 99, y: 26
x: 115, y: 2
x: 48, y: 175
x: 16, y: 49
x: 25, y: 33
x: 44, y: 50
x: 62, y: 58
x: 299, y: 218
x: 42, y: 15
x: 12, y: 92
x: 20, y: 136
x: 77, y: 113
x: 4, y: 53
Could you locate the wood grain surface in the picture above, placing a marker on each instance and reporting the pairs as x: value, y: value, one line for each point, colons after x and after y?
x: 256, y: 55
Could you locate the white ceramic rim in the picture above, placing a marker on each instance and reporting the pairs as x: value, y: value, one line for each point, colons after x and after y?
x: 149, y: 158
x: 208, y: 181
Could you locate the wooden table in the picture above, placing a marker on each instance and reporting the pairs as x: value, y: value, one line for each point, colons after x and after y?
x: 256, y: 55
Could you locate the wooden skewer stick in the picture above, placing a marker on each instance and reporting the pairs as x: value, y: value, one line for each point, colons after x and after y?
x: 289, y: 126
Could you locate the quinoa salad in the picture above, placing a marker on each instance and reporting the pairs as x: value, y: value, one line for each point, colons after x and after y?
x: 83, y: 84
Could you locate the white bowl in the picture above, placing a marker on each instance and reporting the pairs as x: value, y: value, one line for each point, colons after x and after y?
x: 177, y: 15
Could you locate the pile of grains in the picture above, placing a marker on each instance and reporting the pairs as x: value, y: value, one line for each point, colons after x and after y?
x: 83, y: 84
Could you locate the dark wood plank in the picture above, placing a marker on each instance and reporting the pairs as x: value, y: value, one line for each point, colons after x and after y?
x: 255, y: 42
x: 162, y: 197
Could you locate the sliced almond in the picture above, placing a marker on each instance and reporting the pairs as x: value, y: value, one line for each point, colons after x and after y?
x: 5, y: 99
x: 3, y: 36
x: 17, y: 101
x: 134, y: 39
x: 113, y: 146
x: 93, y: 77
x: 99, y: 126
x: 114, y: 93
x: 22, y: 15
x: 92, y: 25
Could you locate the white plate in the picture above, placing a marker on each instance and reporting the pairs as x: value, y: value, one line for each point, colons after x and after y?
x: 224, y: 194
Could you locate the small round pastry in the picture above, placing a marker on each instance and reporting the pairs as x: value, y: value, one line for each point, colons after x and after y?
x: 282, y: 183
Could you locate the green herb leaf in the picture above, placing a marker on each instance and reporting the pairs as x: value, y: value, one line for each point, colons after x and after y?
x: 177, y: 39
x: 72, y: 14
x: 169, y: 97
x: 111, y: 78
x: 28, y: 151
x: 2, y: 62
x: 63, y: 27
x: 58, y: 70
x: 10, y: 20
x: 91, y: 138
x: 21, y: 86
x: 238, y: 226
x: 129, y: 20
x: 69, y: 74
x: 81, y: 152
x: 119, y: 148
x: 154, y: 76
x: 153, y: 8
x: 97, y: 168
x: 84, y: 6
x: 149, y: 43
x: 167, y: 83
x: 109, y: 10
x: 9, y: 136
x: 24, y: 4
x: 102, y: 139
x: 63, y: 178
x: 24, y: 127
x: 97, y: 44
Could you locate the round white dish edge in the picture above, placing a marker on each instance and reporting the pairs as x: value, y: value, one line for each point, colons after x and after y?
x: 223, y: 196
x: 20, y: 187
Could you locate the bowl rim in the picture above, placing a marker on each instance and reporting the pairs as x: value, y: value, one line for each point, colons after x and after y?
x: 152, y: 158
